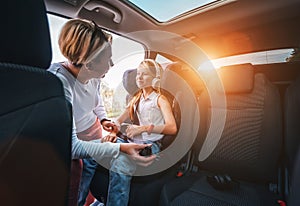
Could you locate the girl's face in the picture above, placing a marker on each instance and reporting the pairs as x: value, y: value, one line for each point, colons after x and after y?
x: 144, y: 78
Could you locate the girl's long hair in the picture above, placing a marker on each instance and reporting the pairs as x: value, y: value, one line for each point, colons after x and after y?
x: 134, y: 103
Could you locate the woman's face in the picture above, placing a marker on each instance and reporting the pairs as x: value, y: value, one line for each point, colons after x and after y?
x: 143, y: 78
x: 101, y: 63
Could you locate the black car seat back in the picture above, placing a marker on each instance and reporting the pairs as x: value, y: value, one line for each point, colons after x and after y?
x: 250, y: 142
x: 35, y: 118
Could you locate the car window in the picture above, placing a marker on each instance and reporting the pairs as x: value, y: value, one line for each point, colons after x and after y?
x: 175, y: 8
x: 55, y: 25
x: 161, y: 59
x: 255, y: 58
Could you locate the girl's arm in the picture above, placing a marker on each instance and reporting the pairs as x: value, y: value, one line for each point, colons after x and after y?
x: 168, y: 128
x: 170, y: 124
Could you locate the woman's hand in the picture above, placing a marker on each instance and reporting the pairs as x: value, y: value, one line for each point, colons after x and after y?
x: 133, y: 150
x: 112, y: 137
x: 134, y: 130
x: 109, y: 126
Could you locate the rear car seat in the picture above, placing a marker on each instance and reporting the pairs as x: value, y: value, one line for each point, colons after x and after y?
x: 292, y: 142
x: 294, y: 195
x: 243, y: 165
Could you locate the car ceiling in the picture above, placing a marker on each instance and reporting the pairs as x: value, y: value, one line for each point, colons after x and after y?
x: 235, y: 28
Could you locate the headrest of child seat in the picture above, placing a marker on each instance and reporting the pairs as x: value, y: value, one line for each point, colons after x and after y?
x: 169, y: 68
x: 237, y: 78
x: 174, y: 66
x: 129, y: 82
x: 25, y: 37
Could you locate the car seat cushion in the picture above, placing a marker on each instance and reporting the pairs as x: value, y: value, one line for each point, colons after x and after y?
x: 201, y: 192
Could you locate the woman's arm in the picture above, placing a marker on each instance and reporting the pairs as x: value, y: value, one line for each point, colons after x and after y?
x: 84, y: 149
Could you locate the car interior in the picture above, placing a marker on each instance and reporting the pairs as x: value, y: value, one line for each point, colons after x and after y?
x: 231, y: 74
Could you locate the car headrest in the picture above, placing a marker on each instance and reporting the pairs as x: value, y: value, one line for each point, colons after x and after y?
x: 129, y: 82
x: 169, y: 68
x: 173, y: 66
x: 25, y: 37
x: 237, y: 78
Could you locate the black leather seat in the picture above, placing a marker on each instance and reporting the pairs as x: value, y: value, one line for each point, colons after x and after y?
x: 35, y: 118
x: 247, y: 151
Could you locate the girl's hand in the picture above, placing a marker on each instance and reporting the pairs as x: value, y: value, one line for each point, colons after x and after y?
x: 134, y: 130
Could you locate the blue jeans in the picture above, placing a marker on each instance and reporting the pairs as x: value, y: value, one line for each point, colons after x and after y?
x: 120, y: 175
x: 88, y: 171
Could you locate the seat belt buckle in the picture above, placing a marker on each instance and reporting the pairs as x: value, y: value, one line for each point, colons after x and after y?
x: 179, y: 173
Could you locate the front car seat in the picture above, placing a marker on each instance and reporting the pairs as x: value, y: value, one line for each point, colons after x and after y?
x: 35, y: 118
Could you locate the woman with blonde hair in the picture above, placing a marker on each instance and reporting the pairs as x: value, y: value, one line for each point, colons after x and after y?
x: 88, y: 58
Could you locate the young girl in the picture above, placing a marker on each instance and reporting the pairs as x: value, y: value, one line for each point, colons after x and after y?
x: 155, y: 120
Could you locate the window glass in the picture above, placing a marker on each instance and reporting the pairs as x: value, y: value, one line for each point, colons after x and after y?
x: 265, y: 57
x: 55, y: 25
x: 162, y: 60
x: 168, y: 9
